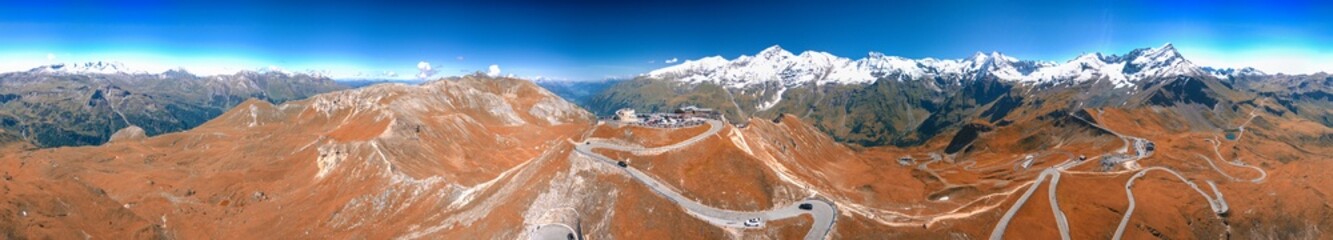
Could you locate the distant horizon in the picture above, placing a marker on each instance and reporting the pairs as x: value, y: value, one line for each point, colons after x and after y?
x: 157, y: 68
x: 595, y: 40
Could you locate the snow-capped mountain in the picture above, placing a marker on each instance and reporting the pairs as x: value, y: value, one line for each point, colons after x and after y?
x: 99, y: 67
x: 111, y: 67
x: 106, y: 67
x: 1224, y: 73
x: 775, y: 64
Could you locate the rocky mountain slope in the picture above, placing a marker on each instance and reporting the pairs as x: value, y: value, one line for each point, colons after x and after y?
x: 886, y: 100
x: 1308, y: 96
x: 383, y: 161
x: 477, y: 157
x: 83, y: 104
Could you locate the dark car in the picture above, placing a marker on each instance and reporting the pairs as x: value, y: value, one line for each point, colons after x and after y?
x: 806, y: 206
x: 1151, y: 146
x: 622, y: 164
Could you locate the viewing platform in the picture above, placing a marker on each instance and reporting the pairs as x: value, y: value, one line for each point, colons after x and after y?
x: 683, y: 117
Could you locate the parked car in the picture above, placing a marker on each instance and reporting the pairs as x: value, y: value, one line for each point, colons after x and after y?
x: 622, y: 164
x: 806, y: 206
x: 753, y: 222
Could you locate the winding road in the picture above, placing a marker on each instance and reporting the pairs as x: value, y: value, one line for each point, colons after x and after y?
x: 1054, y: 172
x: 998, y: 232
x: 1218, y: 204
x: 822, y: 211
x: 1216, y: 144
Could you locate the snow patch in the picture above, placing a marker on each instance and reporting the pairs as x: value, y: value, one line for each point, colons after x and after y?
x: 774, y: 102
x: 776, y: 65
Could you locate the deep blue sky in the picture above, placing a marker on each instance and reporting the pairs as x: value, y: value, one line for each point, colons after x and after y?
x: 592, y: 40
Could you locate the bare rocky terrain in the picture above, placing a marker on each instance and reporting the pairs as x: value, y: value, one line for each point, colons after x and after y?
x: 477, y: 157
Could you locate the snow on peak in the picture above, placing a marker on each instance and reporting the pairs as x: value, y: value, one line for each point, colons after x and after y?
x: 1168, y: 47
x: 110, y: 67
x: 777, y: 65
x: 979, y: 57
x: 1225, y: 73
x: 773, y: 64
x: 1163, y: 61
x: 86, y: 67
x: 997, y: 56
x: 774, y: 51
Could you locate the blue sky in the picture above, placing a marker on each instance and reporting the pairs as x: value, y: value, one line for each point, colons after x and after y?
x: 586, y: 40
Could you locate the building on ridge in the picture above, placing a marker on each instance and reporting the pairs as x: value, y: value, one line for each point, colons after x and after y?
x: 626, y: 115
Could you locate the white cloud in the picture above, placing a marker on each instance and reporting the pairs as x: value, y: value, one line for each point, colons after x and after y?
x: 672, y: 60
x: 494, y: 70
x: 425, y: 70
x: 460, y: 58
x: 390, y: 74
x: 50, y: 57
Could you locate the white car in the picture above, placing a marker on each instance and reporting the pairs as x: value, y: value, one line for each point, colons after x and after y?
x: 753, y: 222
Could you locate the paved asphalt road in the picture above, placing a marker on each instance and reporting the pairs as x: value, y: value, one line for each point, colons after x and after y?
x: 998, y: 232
x: 1218, y: 204
x: 555, y: 232
x: 823, y: 211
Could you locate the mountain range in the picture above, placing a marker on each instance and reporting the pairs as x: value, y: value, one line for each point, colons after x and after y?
x: 916, y: 152
x: 775, y: 64
x: 85, y: 103
x: 888, y: 100
x: 809, y: 146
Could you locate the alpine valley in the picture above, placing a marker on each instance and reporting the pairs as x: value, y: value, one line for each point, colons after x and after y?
x: 886, y: 100
x: 1138, y: 145
x: 85, y: 103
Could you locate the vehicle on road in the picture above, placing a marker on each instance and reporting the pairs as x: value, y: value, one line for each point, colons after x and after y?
x: 622, y: 164
x: 1081, y: 157
x: 806, y: 206
x: 753, y: 222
